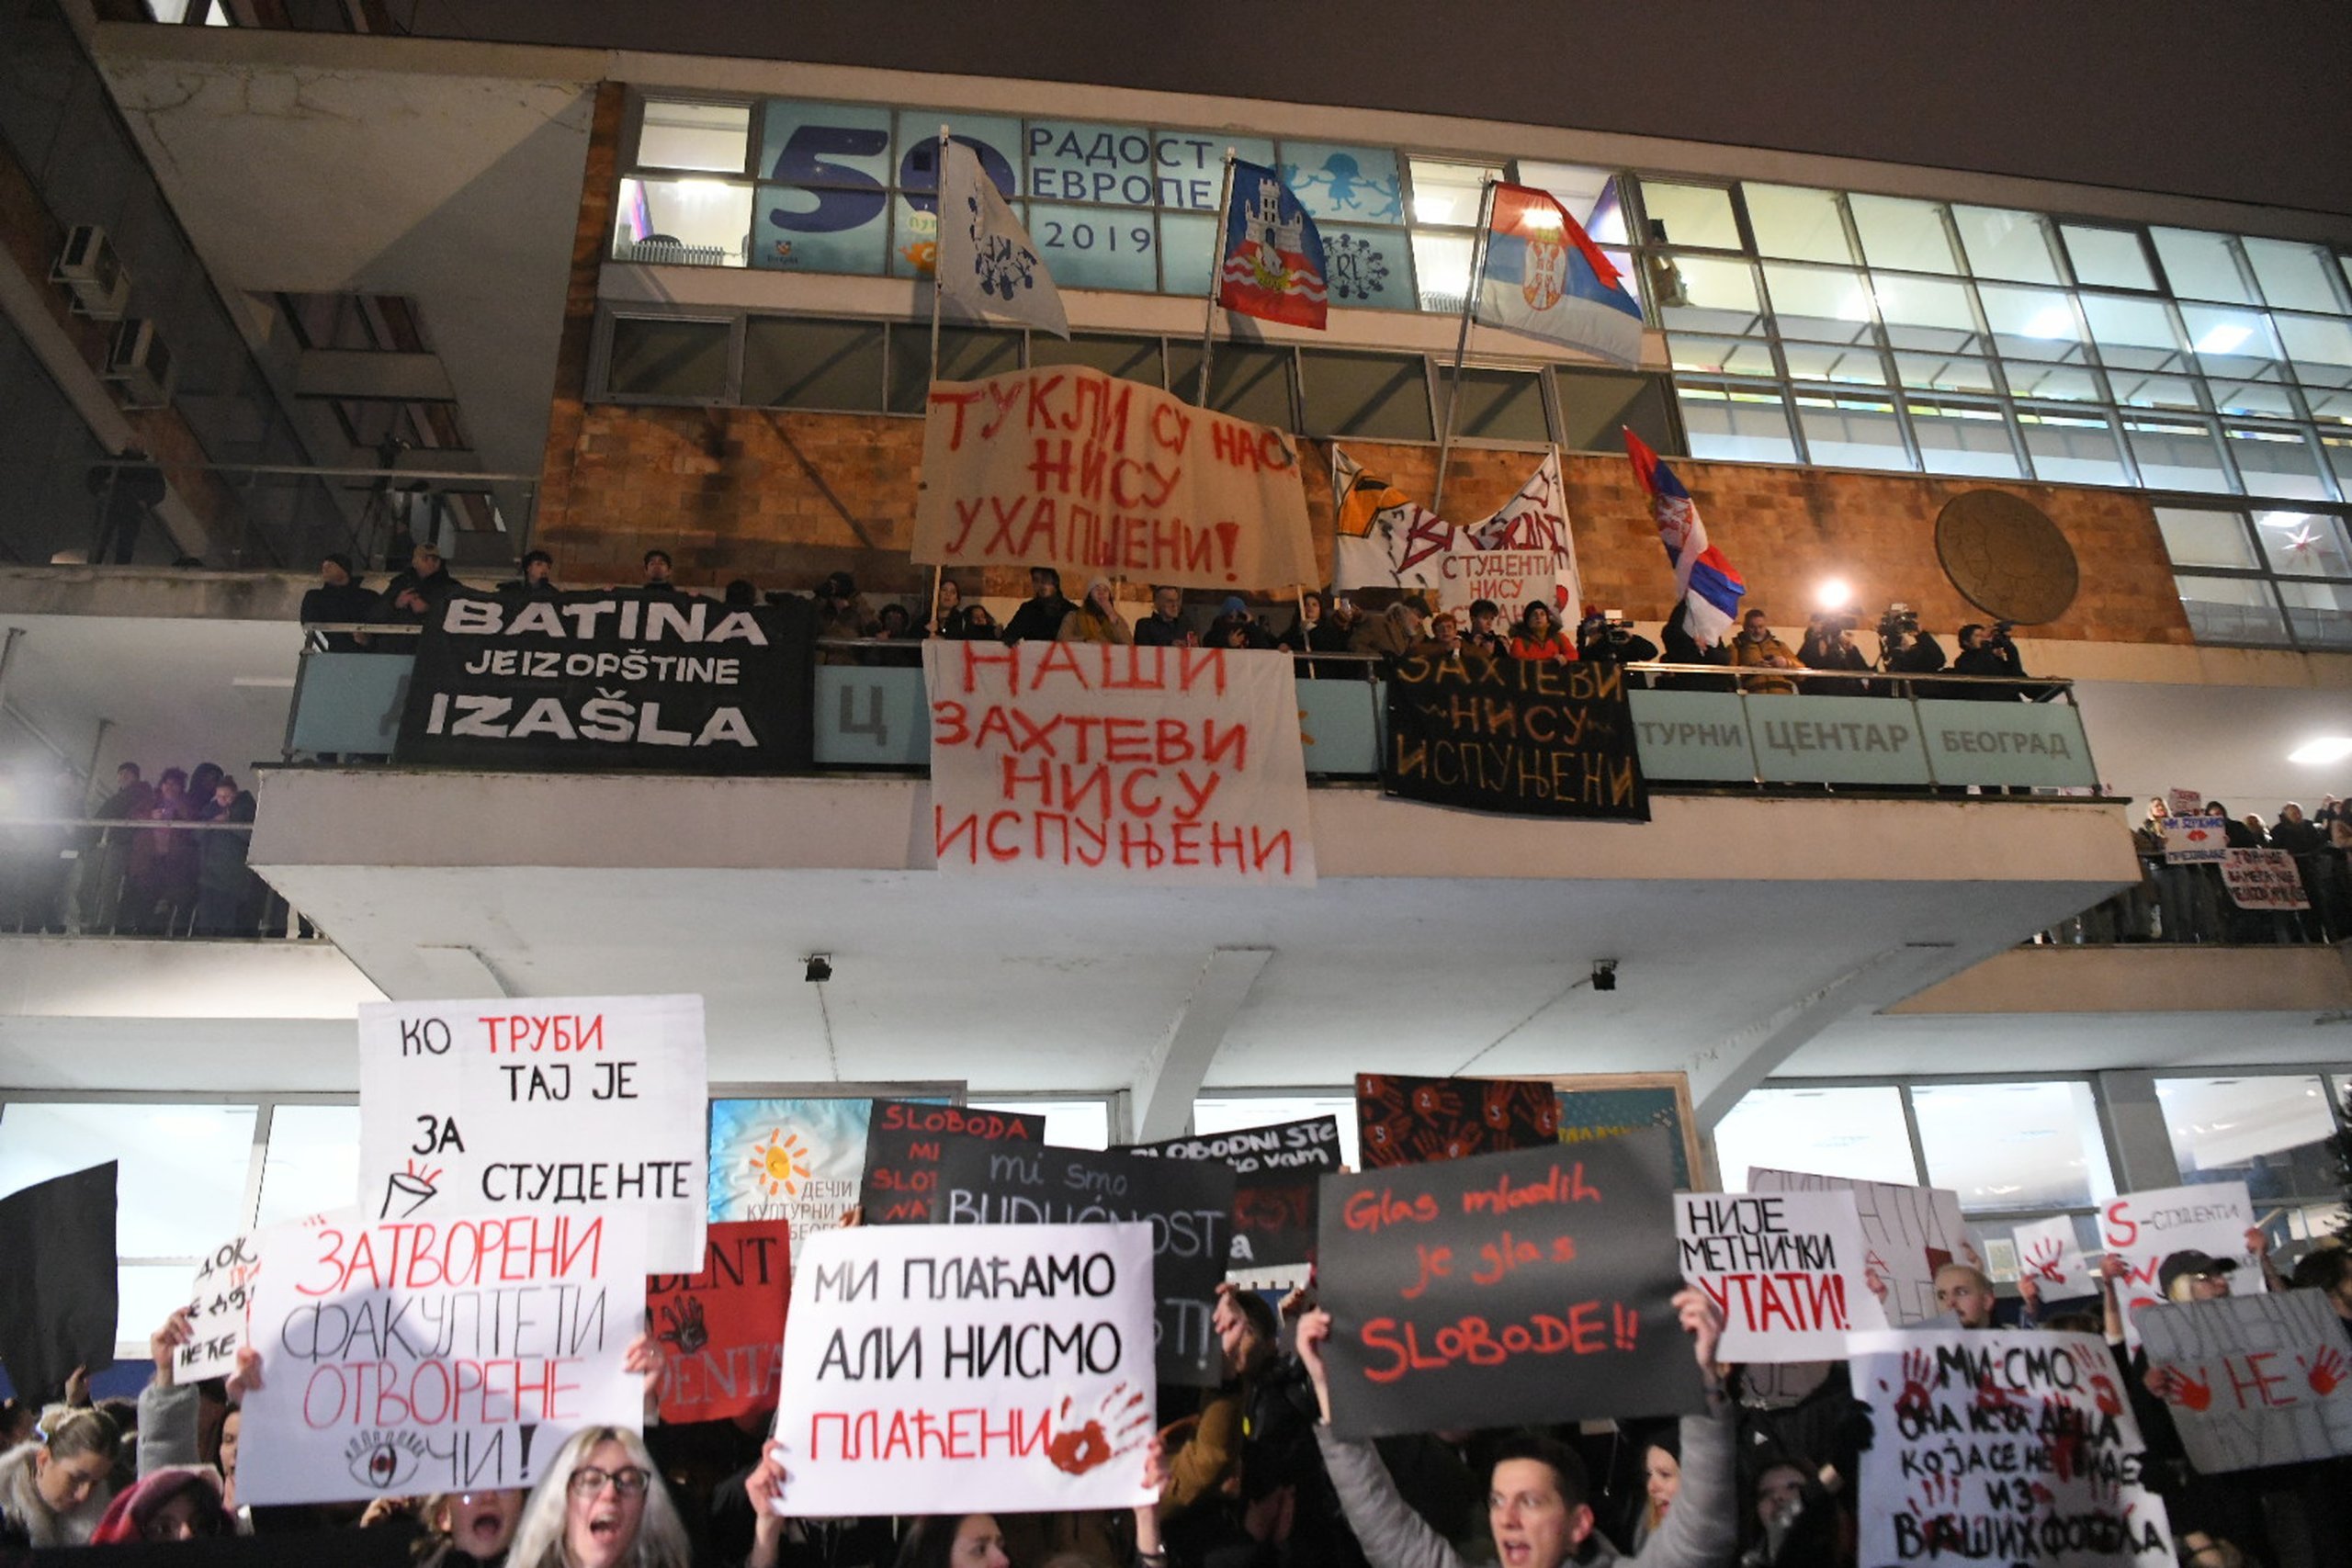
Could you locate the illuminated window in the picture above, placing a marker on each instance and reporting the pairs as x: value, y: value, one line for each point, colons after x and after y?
x: 677, y: 135
x: 2270, y: 1132
x: 2014, y: 1146
x: 1854, y: 1132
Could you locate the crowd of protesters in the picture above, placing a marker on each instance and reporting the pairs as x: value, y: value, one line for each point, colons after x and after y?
x: 1330, y: 624
x: 139, y: 862
x: 2191, y: 902
x: 1247, y: 1475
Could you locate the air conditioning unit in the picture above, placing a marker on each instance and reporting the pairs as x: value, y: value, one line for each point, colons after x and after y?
x: 89, y: 268
x: 139, y: 364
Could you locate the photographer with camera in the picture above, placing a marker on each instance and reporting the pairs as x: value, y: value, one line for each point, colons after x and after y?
x: 1904, y: 650
x: 1757, y: 648
x: 1984, y: 652
x: 1604, y: 636
x: 1828, y: 645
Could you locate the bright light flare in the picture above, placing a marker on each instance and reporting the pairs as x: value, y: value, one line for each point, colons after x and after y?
x: 2320, y: 753
x: 1834, y: 594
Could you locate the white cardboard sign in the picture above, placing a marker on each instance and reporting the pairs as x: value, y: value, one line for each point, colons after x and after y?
x: 2262, y: 1379
x: 1910, y: 1233
x: 451, y: 1354
x: 1786, y: 1268
x: 969, y: 1367
x: 220, y: 1299
x: 594, y: 1104
x: 2050, y: 1254
x: 2011, y: 1446
x: 2145, y: 1229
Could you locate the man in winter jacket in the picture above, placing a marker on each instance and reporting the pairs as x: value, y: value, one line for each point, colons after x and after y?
x: 1538, y: 1500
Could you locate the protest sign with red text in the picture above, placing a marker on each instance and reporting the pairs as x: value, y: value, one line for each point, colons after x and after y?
x: 722, y: 1330
x: 1071, y: 468
x: 2144, y: 1228
x: 1505, y: 1288
x: 2253, y: 1380
x: 447, y: 1354
x: 1171, y: 765
x: 589, y: 1103
x: 1786, y: 1268
x: 955, y: 1368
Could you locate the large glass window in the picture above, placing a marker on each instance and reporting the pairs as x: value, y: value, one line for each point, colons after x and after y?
x: 2201, y: 266
x: 1737, y: 422
x: 2270, y: 1132
x: 312, y: 1163
x: 681, y: 135
x: 668, y: 357
x: 1498, y: 405
x: 1690, y: 215
x: 2014, y: 1146
x: 1380, y: 396
x: 180, y: 1176
x: 2108, y: 258
x: 1907, y: 236
x: 1069, y: 1123
x: 684, y: 222
x: 2005, y: 243
x: 1855, y: 1133
x: 790, y: 363
x: 2231, y: 609
x: 1797, y: 224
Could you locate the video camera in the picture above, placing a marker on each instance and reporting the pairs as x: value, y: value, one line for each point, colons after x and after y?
x: 1614, y: 626
x: 1900, y: 621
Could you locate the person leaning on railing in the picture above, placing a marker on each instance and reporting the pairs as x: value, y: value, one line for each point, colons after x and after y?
x: 1988, y: 652
x: 338, y: 599
x: 1757, y: 648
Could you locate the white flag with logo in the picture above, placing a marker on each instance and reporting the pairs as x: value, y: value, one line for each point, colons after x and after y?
x: 985, y: 264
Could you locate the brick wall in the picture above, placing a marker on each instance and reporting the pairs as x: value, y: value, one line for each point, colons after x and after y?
x: 783, y: 498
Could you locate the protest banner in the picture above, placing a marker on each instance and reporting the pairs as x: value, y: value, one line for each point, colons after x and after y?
x: 1603, y: 1105
x: 1786, y: 1268
x: 1504, y: 1288
x: 904, y: 1143
x: 220, y: 1301
x: 2185, y: 802
x: 58, y: 1310
x: 609, y: 680
x: 2002, y: 1446
x: 1186, y: 1206
x: 1520, y: 737
x: 2258, y: 1379
x: 1171, y: 765
x: 2191, y: 841
x: 996, y: 1368
x: 1095, y: 476
x: 723, y: 1329
x: 1908, y: 1233
x: 1524, y: 553
x: 2050, y: 1255
x: 511, y: 1104
x: 450, y: 1353
x: 1403, y: 1120
x: 1273, y: 1195
x: 2264, y: 879
x: 2145, y: 1229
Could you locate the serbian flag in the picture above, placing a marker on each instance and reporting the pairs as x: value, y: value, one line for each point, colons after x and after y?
x: 1544, y: 276
x: 1273, y: 265
x: 1710, y: 588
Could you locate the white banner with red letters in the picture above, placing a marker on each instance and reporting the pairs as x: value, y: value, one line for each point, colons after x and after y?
x: 1170, y: 766
x: 1068, y: 467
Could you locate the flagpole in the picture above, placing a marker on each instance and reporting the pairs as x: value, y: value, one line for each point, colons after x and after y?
x: 1462, y: 342
x: 939, y: 226
x: 1217, y: 273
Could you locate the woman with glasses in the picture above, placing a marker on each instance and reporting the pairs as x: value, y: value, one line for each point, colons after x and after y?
x: 600, y: 1504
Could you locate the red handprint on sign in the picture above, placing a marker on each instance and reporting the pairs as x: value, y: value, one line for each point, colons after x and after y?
x: 1918, y: 1367
x: 1121, y: 1421
x: 2176, y: 1387
x: 2326, y: 1372
x: 2043, y: 1258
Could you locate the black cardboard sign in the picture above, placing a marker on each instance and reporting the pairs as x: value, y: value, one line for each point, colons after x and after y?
x: 905, y: 1140
x: 1188, y: 1205
x: 57, y: 1311
x: 1530, y: 1286
x: 1273, y: 1202
x: 1526, y: 738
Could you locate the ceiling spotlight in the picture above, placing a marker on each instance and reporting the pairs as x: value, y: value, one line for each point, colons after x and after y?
x: 1604, y: 974
x: 1834, y: 594
x: 2319, y: 753
x: 820, y: 968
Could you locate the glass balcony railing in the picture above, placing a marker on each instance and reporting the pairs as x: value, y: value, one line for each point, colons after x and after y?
x: 1692, y: 730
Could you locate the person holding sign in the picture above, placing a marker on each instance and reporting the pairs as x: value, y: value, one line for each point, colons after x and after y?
x: 1539, y: 1503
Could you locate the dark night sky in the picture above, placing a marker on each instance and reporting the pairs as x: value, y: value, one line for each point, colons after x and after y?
x: 2244, y: 100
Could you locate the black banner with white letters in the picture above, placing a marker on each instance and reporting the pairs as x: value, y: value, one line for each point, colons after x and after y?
x: 619, y: 679
x: 1526, y: 738
x: 1188, y: 1205
x: 1273, y: 1199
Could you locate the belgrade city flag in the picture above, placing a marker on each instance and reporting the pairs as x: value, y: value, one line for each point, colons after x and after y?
x: 1544, y: 276
x: 1386, y: 539
x: 1273, y: 262
x: 1709, y: 586
x: 986, y: 263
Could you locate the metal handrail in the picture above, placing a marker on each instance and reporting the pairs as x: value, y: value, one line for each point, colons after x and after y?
x: 159, y: 824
